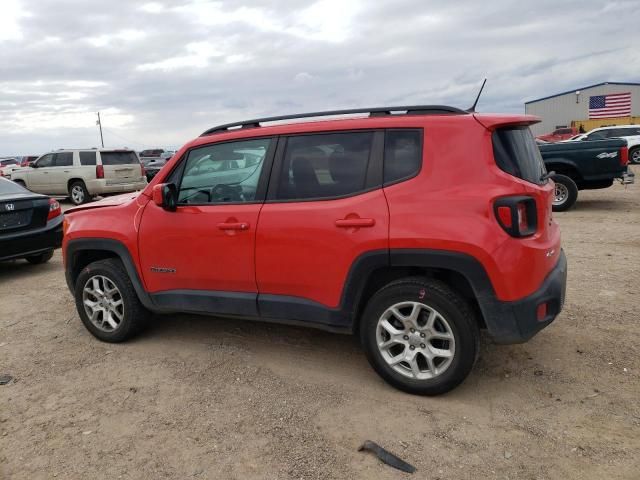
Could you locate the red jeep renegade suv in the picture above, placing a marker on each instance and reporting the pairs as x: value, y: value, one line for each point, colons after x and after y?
x: 412, y: 227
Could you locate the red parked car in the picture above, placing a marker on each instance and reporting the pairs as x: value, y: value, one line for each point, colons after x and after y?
x: 558, y: 134
x: 384, y: 227
x: 26, y: 161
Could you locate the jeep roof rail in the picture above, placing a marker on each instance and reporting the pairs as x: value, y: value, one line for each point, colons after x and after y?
x: 373, y: 112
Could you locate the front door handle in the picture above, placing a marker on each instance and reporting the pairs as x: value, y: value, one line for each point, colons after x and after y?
x: 233, y: 226
x: 355, y: 222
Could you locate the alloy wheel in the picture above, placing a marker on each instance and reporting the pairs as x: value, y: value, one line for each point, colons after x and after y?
x: 77, y: 194
x: 415, y: 340
x: 103, y: 303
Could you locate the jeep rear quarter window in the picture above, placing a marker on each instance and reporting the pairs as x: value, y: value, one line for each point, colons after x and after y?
x: 118, y: 158
x: 402, y: 154
x: 516, y: 152
x: 324, y: 165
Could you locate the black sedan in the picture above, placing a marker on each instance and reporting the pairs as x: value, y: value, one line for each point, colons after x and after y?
x: 30, y: 224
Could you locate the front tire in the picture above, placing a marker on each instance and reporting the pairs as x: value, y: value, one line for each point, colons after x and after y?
x: 634, y: 155
x: 40, y: 258
x: 420, y: 336
x: 107, y: 302
x: 565, y: 194
x: 78, y: 193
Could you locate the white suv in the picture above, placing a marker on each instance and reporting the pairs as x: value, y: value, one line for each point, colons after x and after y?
x: 631, y: 133
x: 82, y: 174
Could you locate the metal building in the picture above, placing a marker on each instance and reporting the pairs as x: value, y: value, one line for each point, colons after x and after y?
x: 571, y: 109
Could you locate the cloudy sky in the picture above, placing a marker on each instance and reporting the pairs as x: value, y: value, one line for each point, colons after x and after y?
x: 161, y: 72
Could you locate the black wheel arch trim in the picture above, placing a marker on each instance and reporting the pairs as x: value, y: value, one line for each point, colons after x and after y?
x: 73, y: 247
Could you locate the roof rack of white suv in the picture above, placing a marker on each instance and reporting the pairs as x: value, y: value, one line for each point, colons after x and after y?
x: 373, y: 112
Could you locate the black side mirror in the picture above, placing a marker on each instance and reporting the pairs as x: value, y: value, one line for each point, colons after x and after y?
x: 165, y: 195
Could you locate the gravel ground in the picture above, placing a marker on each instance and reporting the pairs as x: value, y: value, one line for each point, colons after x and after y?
x: 196, y: 397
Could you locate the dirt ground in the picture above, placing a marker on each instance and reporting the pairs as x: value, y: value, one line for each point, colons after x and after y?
x: 197, y: 397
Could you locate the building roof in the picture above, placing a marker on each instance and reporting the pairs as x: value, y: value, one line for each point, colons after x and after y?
x: 582, y: 88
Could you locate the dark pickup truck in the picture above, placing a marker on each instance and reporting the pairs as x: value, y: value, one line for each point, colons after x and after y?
x: 583, y: 165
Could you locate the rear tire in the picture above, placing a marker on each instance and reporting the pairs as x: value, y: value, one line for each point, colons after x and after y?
x: 107, y: 302
x: 634, y: 155
x: 21, y: 183
x: 78, y: 193
x: 40, y: 258
x: 420, y: 336
x: 566, y: 193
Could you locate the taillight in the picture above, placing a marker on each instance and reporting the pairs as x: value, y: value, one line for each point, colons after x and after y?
x: 54, y: 209
x: 99, y: 171
x: 518, y: 216
x: 142, y: 170
x: 624, y: 156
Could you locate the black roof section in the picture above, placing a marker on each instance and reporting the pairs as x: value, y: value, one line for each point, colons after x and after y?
x: 582, y: 88
x: 373, y: 112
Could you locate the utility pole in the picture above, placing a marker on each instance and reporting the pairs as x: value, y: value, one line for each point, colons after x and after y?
x: 100, y: 125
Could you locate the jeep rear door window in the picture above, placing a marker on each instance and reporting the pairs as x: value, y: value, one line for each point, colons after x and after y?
x: 324, y: 165
x: 223, y: 172
x: 87, y: 158
x: 118, y: 158
x: 516, y: 152
x: 402, y: 154
x: 64, y: 159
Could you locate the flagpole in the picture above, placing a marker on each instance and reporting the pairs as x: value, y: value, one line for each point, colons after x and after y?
x: 100, y: 125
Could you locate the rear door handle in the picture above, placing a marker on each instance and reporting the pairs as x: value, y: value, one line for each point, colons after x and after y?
x: 233, y: 226
x: 355, y: 222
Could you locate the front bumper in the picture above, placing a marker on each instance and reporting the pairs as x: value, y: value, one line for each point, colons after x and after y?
x: 24, y: 244
x: 517, y: 322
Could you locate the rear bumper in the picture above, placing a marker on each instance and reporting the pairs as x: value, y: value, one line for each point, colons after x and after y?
x: 628, y: 177
x: 102, y: 186
x: 517, y: 322
x: 23, y: 244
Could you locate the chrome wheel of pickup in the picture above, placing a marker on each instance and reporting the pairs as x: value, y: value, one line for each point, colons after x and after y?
x: 561, y: 194
x: 103, y: 303
x: 415, y: 340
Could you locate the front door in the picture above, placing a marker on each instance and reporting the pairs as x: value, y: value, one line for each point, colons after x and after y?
x: 201, y: 256
x: 39, y: 178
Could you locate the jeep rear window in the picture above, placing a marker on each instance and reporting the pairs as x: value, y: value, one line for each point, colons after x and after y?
x: 118, y: 158
x: 516, y: 152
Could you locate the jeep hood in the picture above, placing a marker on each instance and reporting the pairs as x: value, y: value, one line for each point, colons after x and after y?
x: 111, y: 201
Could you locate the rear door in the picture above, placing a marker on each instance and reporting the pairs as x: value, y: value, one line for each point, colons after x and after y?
x: 121, y: 166
x: 325, y: 208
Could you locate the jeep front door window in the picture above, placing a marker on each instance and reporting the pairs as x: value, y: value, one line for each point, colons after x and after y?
x: 223, y: 173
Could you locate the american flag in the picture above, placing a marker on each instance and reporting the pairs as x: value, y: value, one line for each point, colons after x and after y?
x: 612, y: 105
